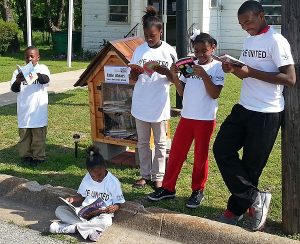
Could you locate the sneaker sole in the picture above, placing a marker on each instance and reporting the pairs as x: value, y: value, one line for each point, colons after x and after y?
x: 266, y: 203
x: 161, y: 198
x: 194, y: 206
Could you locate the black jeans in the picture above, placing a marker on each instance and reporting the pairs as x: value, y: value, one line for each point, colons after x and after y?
x: 256, y: 133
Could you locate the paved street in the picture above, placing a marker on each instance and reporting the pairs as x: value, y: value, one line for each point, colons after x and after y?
x: 11, y: 233
x: 35, y: 224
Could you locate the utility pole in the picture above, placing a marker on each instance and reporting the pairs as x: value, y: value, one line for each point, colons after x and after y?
x: 28, y: 21
x: 291, y: 125
x: 181, y: 36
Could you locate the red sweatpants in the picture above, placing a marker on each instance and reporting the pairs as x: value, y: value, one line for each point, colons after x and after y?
x: 187, y: 131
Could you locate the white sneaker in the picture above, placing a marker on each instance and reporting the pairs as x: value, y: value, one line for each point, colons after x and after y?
x: 260, y: 210
x: 62, y: 228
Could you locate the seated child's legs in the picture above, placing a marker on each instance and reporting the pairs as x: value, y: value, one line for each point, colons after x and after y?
x: 99, y: 223
x: 66, y: 215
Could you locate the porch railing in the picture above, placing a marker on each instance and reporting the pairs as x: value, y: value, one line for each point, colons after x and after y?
x: 132, y: 32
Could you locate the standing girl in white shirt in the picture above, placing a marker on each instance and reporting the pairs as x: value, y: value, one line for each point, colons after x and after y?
x: 97, y: 183
x: 151, y: 101
x: 197, y: 123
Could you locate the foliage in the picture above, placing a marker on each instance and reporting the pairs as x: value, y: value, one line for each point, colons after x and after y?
x: 8, y: 32
x: 46, y: 15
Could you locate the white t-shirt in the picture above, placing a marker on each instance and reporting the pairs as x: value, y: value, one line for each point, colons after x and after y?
x: 197, y: 103
x: 109, y: 190
x: 266, y: 52
x: 32, y: 101
x: 150, y: 99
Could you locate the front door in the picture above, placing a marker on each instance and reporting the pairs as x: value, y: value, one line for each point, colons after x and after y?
x: 171, y: 17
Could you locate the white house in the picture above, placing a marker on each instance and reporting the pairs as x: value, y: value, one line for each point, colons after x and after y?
x: 113, y: 19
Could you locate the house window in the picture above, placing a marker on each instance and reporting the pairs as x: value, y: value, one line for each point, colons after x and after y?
x: 118, y: 11
x: 272, y: 11
x: 213, y: 3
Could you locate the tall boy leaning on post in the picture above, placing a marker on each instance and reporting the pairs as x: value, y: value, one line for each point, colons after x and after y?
x: 253, y: 124
x: 32, y: 109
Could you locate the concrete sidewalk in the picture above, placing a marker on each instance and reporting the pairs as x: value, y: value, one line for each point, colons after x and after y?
x: 59, y: 82
x: 133, y: 216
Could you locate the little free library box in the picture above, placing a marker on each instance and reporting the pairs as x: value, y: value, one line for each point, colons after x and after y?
x: 110, y: 93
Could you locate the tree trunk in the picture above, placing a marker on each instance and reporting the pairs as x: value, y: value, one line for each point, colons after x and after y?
x: 6, y: 10
x: 50, y: 24
x: 60, y: 14
x: 291, y: 125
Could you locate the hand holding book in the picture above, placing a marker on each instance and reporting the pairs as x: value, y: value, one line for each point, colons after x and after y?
x: 227, y: 59
x: 185, y: 65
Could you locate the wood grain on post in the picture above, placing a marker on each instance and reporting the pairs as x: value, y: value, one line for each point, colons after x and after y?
x: 291, y: 125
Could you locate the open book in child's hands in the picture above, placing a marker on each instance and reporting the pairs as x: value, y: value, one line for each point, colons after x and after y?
x: 148, y: 68
x: 185, y: 65
x: 28, y: 73
x: 82, y: 212
x: 228, y: 59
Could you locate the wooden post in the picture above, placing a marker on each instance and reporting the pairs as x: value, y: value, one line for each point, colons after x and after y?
x: 291, y: 125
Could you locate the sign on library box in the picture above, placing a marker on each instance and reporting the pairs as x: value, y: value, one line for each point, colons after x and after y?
x: 116, y: 74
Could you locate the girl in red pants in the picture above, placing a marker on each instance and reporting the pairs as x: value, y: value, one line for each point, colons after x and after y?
x: 197, y: 121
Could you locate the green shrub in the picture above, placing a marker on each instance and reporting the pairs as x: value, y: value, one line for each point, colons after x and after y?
x: 8, y: 32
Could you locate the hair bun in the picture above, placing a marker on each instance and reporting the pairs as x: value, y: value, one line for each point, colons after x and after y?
x: 151, y: 11
x: 93, y: 150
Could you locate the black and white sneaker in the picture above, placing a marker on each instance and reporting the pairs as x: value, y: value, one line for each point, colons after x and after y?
x: 195, y: 199
x: 161, y: 193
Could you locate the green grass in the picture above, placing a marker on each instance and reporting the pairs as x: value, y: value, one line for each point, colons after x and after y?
x: 69, y: 113
x: 8, y: 63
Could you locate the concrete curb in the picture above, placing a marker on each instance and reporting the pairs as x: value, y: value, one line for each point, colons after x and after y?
x: 155, y: 221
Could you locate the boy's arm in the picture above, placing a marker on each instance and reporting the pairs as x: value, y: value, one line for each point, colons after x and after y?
x: 286, y: 75
x: 42, y: 78
x: 16, y: 82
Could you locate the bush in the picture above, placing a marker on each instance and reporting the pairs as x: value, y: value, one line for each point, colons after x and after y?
x: 8, y: 33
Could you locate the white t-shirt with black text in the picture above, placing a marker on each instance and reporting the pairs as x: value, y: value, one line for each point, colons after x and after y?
x: 150, y: 99
x: 32, y: 101
x: 197, y: 103
x: 109, y: 190
x: 266, y: 52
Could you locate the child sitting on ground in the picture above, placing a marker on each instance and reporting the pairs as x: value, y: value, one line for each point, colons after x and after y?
x: 98, y: 182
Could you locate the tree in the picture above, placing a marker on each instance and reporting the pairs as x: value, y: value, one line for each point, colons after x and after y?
x: 291, y: 125
x: 55, y: 13
x: 6, y: 11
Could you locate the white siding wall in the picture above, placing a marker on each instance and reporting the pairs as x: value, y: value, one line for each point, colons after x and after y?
x: 137, y: 12
x: 221, y: 23
x: 95, y: 26
x: 195, y: 14
x: 231, y: 34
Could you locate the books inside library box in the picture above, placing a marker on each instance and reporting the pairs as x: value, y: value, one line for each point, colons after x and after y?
x: 225, y: 58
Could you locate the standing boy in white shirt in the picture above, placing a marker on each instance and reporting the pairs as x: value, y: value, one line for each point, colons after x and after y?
x: 32, y: 109
x: 253, y: 123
